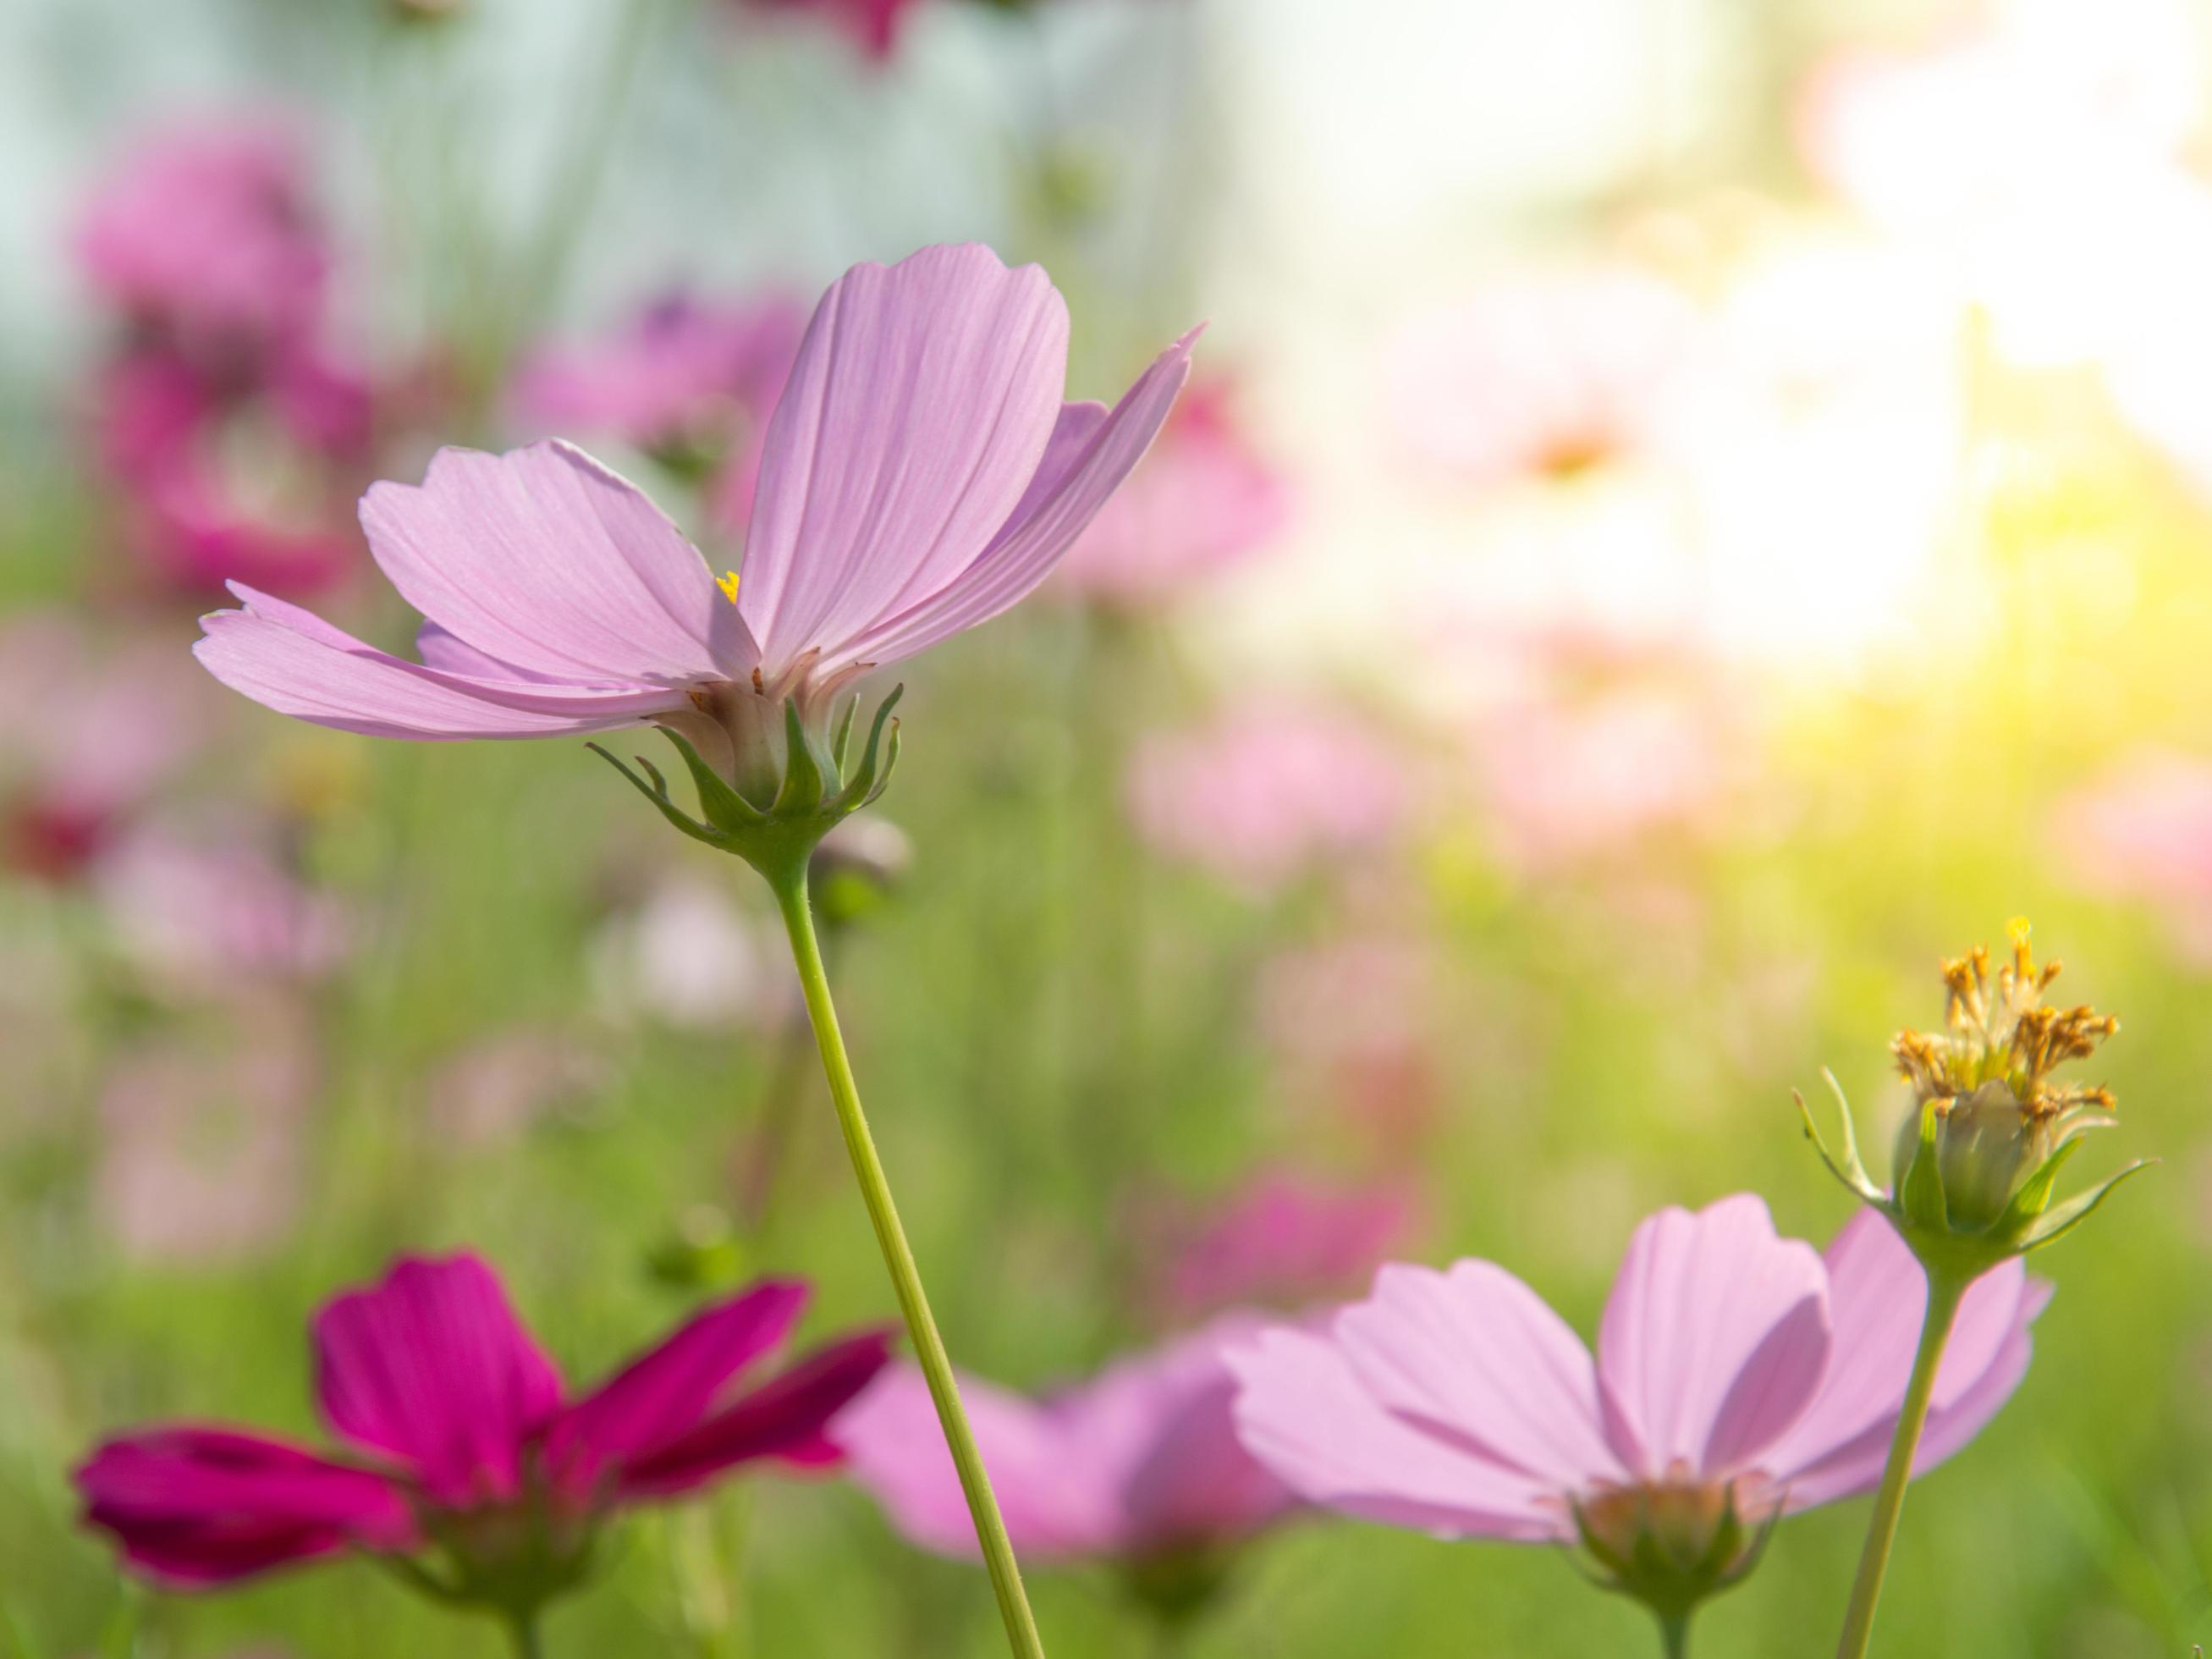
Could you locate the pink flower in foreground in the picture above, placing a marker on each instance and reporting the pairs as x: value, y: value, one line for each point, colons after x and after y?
x: 920, y: 474
x: 1285, y: 1241
x: 1543, y: 376
x: 1138, y: 1465
x: 1264, y: 791
x: 691, y: 381
x: 2144, y: 832
x: 207, y: 233
x: 462, y: 1449
x: 1739, y: 1377
x: 1203, y: 501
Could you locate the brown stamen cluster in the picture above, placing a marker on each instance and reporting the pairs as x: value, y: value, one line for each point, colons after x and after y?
x: 1999, y: 1030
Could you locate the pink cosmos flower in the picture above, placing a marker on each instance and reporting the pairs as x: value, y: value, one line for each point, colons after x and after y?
x: 1140, y: 1463
x: 1282, y: 1241
x: 1264, y: 791
x: 1351, y: 1023
x: 462, y: 1448
x: 1543, y: 376
x: 691, y: 381
x: 2144, y: 832
x: 207, y: 233
x: 499, y: 1086
x: 1738, y: 1374
x: 1203, y: 501
x: 921, y: 474
x: 688, y: 956
x: 874, y: 26
x: 214, y: 912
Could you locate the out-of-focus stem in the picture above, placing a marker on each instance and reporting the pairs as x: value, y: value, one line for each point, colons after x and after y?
x: 1944, y: 1295
x: 790, y: 889
x: 1674, y: 1635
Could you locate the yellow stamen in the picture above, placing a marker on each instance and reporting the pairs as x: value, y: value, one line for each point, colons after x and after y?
x: 727, y: 581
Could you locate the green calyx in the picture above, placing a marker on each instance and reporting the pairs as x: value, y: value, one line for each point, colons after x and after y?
x: 508, y: 1559
x: 1975, y: 1178
x: 792, y: 804
x: 1671, y: 1546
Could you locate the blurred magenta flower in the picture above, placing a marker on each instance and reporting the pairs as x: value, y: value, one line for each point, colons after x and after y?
x: 216, y: 910
x: 206, y: 235
x: 1544, y: 375
x: 2144, y: 831
x: 1204, y: 501
x: 920, y: 474
x: 874, y: 26
x: 1268, y: 790
x: 201, y: 1156
x: 96, y: 727
x: 462, y: 1452
x: 1283, y: 1241
x: 1739, y: 1377
x: 1139, y: 1466
x: 691, y: 381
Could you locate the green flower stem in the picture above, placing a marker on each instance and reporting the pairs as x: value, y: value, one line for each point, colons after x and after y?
x: 522, y: 1632
x: 1945, y: 1292
x: 789, y: 886
x: 1674, y: 1635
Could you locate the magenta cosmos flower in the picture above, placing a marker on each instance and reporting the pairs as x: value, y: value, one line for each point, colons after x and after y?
x: 920, y: 474
x: 1139, y: 1467
x: 462, y: 1452
x: 1739, y: 1377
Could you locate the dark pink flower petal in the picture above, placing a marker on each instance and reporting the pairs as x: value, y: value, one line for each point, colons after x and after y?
x: 663, y: 1395
x: 786, y: 1417
x: 196, y: 1507
x: 914, y: 419
x: 432, y: 1367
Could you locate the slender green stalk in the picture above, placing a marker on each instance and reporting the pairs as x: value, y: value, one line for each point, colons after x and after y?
x: 522, y: 1630
x: 1944, y: 1295
x: 1674, y: 1635
x: 790, y: 889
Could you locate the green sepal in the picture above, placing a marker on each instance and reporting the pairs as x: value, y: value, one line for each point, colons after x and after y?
x: 842, y: 742
x: 2034, y: 1197
x: 1848, y: 1168
x: 807, y: 775
x: 1920, y: 1187
x: 2063, y: 1218
x: 865, y: 783
x: 659, y: 796
x: 726, y: 809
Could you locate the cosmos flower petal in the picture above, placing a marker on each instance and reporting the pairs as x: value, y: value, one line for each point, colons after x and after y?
x: 1715, y: 1339
x: 787, y: 1418
x: 193, y: 1507
x: 1087, y: 461
x: 664, y: 1393
x: 432, y: 1367
x: 544, y: 558
x: 1305, y: 1414
x: 917, y: 414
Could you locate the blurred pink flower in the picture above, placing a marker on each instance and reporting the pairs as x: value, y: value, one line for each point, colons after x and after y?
x: 1203, y: 501
x: 458, y: 1432
x: 1140, y: 1463
x: 2144, y: 832
x: 216, y: 911
x: 206, y: 234
x: 1732, y: 1367
x: 1543, y: 376
x: 689, y: 380
x: 1267, y: 791
x: 95, y: 728
x: 1352, y: 1021
x: 499, y: 1086
x: 874, y: 26
x: 688, y: 955
x: 921, y: 475
x: 1282, y: 1240
x: 201, y: 1156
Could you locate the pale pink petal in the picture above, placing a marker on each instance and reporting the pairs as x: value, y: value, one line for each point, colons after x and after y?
x: 290, y: 660
x: 915, y: 418
x: 432, y: 1367
x: 1304, y: 1414
x: 542, y: 558
x: 1087, y: 461
x: 1715, y: 1339
x: 1474, y: 1356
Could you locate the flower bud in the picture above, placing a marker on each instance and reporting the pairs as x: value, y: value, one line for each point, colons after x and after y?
x: 1674, y: 1542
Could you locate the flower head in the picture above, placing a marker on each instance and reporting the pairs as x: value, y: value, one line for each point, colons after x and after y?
x: 463, y: 1453
x: 1139, y: 1467
x: 1280, y: 1240
x: 1739, y: 1377
x: 920, y: 474
x: 1990, y: 1126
